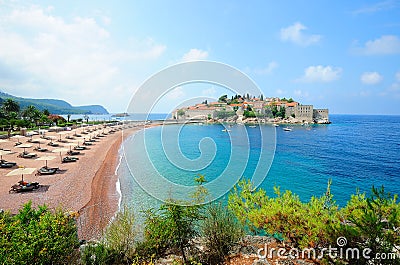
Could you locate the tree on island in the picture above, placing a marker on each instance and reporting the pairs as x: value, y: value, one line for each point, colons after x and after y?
x: 181, y: 112
x: 223, y: 98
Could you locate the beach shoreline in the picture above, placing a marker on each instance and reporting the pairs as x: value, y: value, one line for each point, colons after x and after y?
x: 103, y: 203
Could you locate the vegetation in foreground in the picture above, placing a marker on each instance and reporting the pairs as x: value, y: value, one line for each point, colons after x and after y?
x: 38, y: 236
x: 206, y: 234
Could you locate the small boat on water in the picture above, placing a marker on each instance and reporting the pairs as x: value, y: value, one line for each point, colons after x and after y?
x: 287, y: 129
x: 225, y: 130
x: 276, y: 125
x: 252, y: 126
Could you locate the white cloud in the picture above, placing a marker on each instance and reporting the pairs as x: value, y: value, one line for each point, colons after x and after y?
x: 209, y: 92
x: 280, y: 92
x: 176, y: 93
x: 294, y: 33
x: 371, y: 78
x: 385, y: 45
x: 267, y: 70
x: 320, y: 73
x: 398, y: 76
x: 376, y: 7
x: 194, y: 55
x: 73, y: 59
x: 365, y: 93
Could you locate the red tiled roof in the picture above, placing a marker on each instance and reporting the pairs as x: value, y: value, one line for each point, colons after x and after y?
x: 292, y: 104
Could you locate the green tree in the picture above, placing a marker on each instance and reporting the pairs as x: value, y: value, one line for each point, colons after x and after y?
x: 282, y: 112
x: 171, y: 226
x: 181, y: 112
x: 10, y: 105
x: 249, y: 114
x: 220, y: 230
x: 268, y: 112
x: 38, y: 236
x: 120, y: 235
x: 46, y: 112
x: 302, y: 224
x: 371, y: 222
x: 31, y: 114
x: 223, y: 98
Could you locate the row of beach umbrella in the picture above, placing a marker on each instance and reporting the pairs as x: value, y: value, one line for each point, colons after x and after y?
x: 27, y: 171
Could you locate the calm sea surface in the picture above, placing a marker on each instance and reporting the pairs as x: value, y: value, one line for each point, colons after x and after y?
x: 355, y: 152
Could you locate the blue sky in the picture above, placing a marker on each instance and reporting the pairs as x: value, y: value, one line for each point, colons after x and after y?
x: 343, y: 55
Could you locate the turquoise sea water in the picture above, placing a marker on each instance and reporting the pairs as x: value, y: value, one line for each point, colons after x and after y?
x: 355, y: 152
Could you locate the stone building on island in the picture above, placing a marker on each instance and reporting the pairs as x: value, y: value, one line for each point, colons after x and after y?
x: 294, y: 111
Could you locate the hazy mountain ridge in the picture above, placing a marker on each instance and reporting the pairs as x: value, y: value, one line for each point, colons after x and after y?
x: 55, y: 106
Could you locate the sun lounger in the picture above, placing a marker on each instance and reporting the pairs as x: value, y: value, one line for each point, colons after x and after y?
x: 27, y: 155
x: 6, y: 164
x: 9, y: 150
x: 40, y: 149
x: 79, y: 148
x: 23, y: 186
x: 47, y: 170
x: 73, y: 153
x: 69, y: 159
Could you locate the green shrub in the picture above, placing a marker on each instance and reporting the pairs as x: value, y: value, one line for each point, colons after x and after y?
x: 171, y: 227
x: 96, y: 254
x: 119, y: 236
x: 371, y: 222
x: 37, y: 236
x: 302, y: 224
x: 220, y: 230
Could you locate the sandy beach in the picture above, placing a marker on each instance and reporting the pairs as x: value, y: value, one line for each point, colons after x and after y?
x: 87, y: 186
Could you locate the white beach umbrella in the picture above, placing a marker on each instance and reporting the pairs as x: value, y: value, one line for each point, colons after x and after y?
x: 62, y: 133
x: 24, y: 146
x: 2, y: 152
x: 21, y: 171
x: 60, y: 150
x: 18, y: 137
x: 45, y: 158
x: 70, y: 145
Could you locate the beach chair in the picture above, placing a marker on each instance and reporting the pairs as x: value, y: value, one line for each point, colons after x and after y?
x: 69, y: 159
x: 6, y: 164
x: 47, y: 170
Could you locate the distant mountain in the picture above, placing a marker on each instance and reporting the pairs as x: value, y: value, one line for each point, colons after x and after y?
x: 55, y: 106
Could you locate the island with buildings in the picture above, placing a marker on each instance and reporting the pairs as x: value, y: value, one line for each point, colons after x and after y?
x: 248, y: 109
